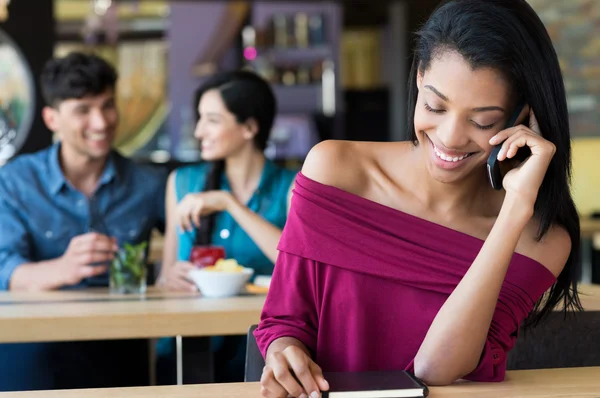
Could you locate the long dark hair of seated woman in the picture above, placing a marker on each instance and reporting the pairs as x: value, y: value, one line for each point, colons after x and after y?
x: 524, y: 53
x: 247, y: 96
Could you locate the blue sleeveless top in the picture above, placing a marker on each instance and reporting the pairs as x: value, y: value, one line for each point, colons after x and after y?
x: 269, y: 200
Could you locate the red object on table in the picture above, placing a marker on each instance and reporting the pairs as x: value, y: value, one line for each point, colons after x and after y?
x: 205, y: 256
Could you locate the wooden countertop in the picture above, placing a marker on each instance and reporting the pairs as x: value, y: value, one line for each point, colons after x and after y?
x: 590, y: 298
x: 572, y: 382
x: 96, y: 314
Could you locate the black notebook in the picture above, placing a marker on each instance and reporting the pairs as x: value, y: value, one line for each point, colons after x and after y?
x: 379, y: 384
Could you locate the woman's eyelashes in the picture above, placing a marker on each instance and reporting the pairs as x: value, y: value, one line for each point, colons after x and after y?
x: 438, y: 111
x: 430, y: 109
x: 488, y: 127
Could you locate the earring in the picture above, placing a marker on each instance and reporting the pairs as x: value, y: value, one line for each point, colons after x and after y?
x: 249, y: 134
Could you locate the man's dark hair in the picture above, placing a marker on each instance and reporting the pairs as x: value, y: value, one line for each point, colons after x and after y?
x: 76, y: 75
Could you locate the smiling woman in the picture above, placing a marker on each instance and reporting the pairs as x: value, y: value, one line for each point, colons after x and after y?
x: 458, y: 126
x: 236, y: 199
x: 437, y: 268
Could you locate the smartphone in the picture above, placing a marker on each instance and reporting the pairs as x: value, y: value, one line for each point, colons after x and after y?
x: 493, y: 164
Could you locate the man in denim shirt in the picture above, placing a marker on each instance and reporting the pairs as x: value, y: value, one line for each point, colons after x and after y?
x: 64, y: 211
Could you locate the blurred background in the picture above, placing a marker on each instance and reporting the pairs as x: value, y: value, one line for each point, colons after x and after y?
x: 339, y: 69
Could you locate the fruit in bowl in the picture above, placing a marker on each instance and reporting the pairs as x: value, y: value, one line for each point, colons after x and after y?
x: 203, y: 256
x: 223, y: 265
x: 226, y: 278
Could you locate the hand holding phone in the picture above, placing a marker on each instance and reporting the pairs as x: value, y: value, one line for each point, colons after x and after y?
x: 493, y: 164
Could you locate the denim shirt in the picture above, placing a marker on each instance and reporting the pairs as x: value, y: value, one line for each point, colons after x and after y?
x: 40, y: 210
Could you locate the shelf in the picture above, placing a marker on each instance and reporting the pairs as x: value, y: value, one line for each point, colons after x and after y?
x: 295, y: 55
x: 298, y: 98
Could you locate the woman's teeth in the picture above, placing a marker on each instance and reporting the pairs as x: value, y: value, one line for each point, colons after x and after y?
x: 449, y: 158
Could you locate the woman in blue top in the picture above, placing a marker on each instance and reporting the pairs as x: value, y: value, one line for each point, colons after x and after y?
x: 237, y: 198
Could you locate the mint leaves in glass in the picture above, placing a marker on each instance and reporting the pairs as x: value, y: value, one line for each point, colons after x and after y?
x: 128, y: 269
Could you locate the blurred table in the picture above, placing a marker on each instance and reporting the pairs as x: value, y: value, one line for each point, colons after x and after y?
x: 590, y: 297
x: 571, y: 382
x: 95, y: 314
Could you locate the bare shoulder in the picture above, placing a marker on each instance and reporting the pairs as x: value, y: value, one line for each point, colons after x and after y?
x: 552, y: 251
x: 341, y: 164
x: 171, y: 181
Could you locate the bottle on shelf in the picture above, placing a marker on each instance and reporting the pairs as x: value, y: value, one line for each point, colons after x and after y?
x: 281, y: 30
x: 328, y: 88
x: 288, y: 77
x: 301, y: 30
x: 316, y: 30
x: 303, y: 75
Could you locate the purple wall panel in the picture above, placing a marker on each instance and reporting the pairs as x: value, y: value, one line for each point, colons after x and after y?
x: 192, y: 25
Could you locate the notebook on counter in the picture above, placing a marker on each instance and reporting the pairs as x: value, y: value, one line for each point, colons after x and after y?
x: 379, y: 384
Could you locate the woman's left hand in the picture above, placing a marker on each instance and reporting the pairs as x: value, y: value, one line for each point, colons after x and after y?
x: 196, y: 205
x: 526, y: 178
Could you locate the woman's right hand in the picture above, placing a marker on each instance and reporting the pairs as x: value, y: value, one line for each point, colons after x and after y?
x: 175, y: 277
x: 195, y: 205
x: 278, y: 381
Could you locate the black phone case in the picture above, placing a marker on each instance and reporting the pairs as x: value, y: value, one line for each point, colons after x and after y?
x: 493, y: 164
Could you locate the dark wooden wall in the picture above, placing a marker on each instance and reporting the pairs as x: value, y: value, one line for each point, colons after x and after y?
x: 31, y: 26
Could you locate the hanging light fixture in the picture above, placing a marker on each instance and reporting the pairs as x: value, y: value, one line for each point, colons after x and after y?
x: 102, y: 6
x: 101, y: 25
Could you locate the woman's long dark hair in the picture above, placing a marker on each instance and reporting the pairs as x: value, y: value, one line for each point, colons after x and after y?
x: 247, y: 96
x: 508, y: 36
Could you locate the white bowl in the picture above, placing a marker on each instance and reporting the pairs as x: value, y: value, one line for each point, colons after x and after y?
x: 219, y: 283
